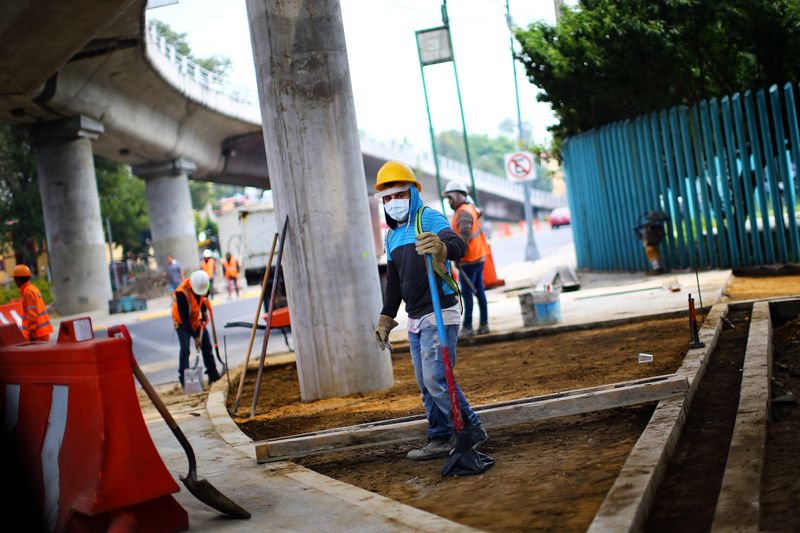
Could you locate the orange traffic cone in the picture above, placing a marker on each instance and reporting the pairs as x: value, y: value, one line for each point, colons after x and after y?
x: 490, y: 279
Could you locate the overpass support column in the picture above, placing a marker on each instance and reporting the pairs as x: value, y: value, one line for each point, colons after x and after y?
x: 74, y: 228
x: 317, y: 175
x: 170, y: 207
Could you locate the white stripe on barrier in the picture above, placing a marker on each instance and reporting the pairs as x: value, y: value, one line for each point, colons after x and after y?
x: 56, y: 425
x: 16, y: 317
x: 12, y: 407
x: 3, y: 319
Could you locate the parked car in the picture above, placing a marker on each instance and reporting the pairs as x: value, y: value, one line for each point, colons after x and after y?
x: 559, y: 217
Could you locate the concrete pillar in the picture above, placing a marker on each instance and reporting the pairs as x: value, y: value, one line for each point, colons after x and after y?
x: 170, y: 207
x: 74, y: 228
x: 317, y: 176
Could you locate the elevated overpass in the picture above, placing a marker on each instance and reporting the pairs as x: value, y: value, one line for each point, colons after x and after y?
x: 93, y: 76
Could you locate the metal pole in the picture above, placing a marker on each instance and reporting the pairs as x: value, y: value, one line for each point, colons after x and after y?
x: 430, y: 128
x: 111, y: 253
x: 446, y: 22
x: 531, y: 250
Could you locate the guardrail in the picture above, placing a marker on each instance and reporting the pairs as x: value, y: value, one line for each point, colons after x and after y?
x: 198, y: 83
x: 455, y: 170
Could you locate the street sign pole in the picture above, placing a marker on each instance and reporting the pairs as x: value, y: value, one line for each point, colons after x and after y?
x: 430, y: 128
x: 531, y: 250
x: 521, y: 166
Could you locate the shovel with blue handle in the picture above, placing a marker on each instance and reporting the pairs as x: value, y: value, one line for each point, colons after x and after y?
x: 463, y: 460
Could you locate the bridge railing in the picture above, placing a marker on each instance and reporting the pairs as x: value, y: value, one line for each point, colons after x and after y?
x: 198, y: 83
x: 455, y: 170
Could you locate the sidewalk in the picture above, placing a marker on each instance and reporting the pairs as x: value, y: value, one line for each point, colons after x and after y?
x: 156, y: 308
x: 284, y: 496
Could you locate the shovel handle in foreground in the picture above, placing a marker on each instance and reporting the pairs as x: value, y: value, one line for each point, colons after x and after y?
x: 200, y: 488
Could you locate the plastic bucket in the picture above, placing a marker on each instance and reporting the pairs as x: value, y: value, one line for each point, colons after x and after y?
x: 547, y: 307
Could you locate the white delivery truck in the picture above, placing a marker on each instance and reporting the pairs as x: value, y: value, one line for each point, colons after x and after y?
x: 258, y: 226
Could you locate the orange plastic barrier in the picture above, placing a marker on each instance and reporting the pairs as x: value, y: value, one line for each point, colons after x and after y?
x: 490, y: 279
x: 11, y: 313
x: 79, y: 433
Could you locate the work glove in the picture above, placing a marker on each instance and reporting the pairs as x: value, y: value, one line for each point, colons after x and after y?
x: 197, y: 342
x: 430, y: 243
x: 385, y: 325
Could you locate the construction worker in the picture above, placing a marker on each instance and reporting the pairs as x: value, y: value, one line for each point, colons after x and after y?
x: 35, y: 321
x: 231, y: 267
x: 466, y: 222
x: 406, y: 280
x: 190, y: 314
x: 209, y: 265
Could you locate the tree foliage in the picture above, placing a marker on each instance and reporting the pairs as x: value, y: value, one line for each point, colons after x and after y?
x: 123, y: 201
x: 21, y: 220
x: 216, y: 64
x: 612, y: 59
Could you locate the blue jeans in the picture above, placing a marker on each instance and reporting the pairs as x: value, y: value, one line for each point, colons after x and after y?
x: 426, y: 356
x: 474, y: 271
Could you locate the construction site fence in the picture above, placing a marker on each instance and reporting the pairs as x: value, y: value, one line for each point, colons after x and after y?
x: 724, y: 171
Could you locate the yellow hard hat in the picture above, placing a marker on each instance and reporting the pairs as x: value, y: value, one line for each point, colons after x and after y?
x: 393, y: 172
x: 21, y: 271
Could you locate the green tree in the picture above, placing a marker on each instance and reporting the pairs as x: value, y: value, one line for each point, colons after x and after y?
x: 21, y: 220
x: 217, y: 64
x: 123, y: 201
x: 612, y: 59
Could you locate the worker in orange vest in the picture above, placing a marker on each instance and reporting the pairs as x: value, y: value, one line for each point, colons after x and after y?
x: 35, y: 321
x: 231, y: 267
x: 209, y: 265
x: 191, y: 312
x: 467, y: 224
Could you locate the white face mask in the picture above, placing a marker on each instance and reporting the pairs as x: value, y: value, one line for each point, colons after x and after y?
x: 397, y: 209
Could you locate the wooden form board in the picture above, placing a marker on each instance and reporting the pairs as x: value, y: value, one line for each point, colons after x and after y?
x: 496, y: 415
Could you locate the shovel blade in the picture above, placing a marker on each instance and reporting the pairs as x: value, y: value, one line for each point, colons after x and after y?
x: 209, y: 495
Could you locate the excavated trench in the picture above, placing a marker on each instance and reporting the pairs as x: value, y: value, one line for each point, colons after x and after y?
x: 687, y: 497
x: 780, y: 486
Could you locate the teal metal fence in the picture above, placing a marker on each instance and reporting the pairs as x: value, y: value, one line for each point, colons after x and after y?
x: 724, y: 172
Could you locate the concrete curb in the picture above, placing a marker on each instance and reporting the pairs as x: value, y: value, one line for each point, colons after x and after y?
x: 627, y: 504
x: 407, y: 517
x: 739, y: 498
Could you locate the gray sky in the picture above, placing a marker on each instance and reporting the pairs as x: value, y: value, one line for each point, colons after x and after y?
x: 384, y: 65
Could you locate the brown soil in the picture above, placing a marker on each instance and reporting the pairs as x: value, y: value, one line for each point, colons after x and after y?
x: 687, y: 497
x: 753, y: 288
x: 549, y: 476
x: 780, y: 485
x: 487, y: 373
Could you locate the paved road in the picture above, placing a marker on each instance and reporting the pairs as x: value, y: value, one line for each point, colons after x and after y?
x: 511, y: 249
x: 156, y: 344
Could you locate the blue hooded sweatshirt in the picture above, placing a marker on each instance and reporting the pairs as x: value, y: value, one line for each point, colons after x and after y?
x: 406, y: 277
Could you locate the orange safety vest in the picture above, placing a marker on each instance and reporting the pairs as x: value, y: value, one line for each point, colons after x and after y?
x: 195, y: 306
x: 35, y: 322
x: 477, y: 247
x: 231, y: 268
x: 208, y: 266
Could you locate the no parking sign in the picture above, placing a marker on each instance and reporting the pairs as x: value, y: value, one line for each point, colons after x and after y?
x: 520, y: 166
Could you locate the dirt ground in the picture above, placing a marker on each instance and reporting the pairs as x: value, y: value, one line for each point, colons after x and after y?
x: 753, y: 288
x: 549, y: 476
x: 780, y: 486
x: 487, y: 373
